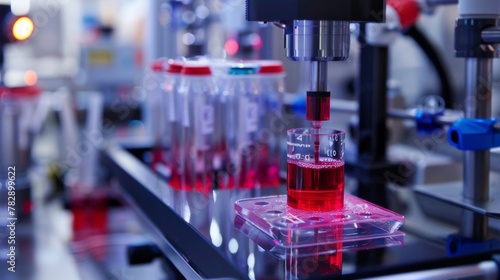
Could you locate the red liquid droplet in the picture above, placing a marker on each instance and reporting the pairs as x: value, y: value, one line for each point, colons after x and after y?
x: 316, y: 186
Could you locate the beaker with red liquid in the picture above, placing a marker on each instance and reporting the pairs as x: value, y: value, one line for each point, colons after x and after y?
x: 315, y: 177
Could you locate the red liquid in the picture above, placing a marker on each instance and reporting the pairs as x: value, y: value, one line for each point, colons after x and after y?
x: 175, y: 160
x: 244, y: 174
x: 198, y: 172
x: 316, y: 186
x: 316, y: 261
x: 317, y: 264
x: 175, y: 180
x: 89, y: 213
x: 244, y: 178
x: 318, y: 108
x: 268, y: 175
x: 268, y: 170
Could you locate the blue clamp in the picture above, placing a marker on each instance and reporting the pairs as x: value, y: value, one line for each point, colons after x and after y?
x: 427, y: 122
x: 457, y: 245
x: 474, y: 134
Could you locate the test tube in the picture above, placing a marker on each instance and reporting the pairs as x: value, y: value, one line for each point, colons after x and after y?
x: 271, y: 88
x: 197, y: 99
x: 171, y: 87
x: 219, y: 68
x: 240, y: 103
x: 154, y: 107
x: 315, y: 182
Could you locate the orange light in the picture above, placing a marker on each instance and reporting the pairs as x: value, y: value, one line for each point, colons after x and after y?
x: 22, y: 28
x: 30, y: 78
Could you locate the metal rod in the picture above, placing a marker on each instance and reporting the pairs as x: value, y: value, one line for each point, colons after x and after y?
x: 372, y: 99
x: 478, y: 83
x: 478, y: 105
x: 491, y: 35
x: 476, y: 175
x: 474, y: 225
x: 372, y: 113
x: 318, y: 76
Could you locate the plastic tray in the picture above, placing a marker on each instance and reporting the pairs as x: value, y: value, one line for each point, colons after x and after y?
x: 275, y: 226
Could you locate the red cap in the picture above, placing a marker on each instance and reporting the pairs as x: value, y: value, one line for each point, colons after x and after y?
x: 408, y: 11
x: 271, y: 69
x: 19, y: 92
x: 174, y: 67
x: 196, y: 69
x: 158, y: 65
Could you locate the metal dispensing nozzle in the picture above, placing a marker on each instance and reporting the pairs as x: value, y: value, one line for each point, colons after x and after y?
x: 317, y: 41
x: 316, y: 31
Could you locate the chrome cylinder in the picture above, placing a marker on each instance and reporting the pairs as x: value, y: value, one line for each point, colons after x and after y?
x: 478, y: 83
x: 474, y: 225
x: 318, y: 76
x: 491, y: 35
x: 478, y: 9
x: 478, y: 106
x: 317, y: 40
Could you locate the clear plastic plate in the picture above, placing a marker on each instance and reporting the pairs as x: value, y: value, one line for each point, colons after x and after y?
x: 359, y: 225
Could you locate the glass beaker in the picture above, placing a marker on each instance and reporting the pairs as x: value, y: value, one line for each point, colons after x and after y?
x: 315, y: 177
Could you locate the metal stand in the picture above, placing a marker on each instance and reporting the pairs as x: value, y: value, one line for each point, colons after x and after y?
x: 478, y: 106
x: 372, y: 98
x: 477, y: 163
x: 371, y: 163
